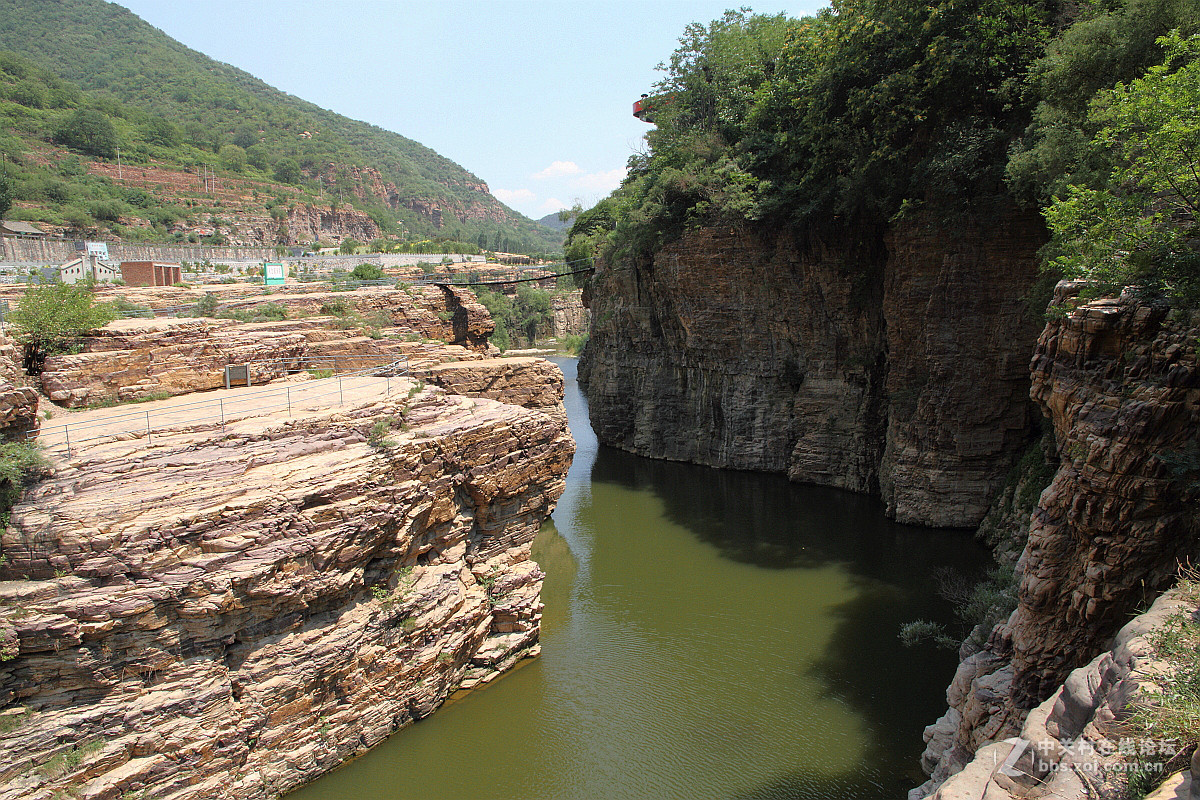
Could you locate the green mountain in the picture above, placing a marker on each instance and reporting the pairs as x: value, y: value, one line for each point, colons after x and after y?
x: 552, y: 221
x: 126, y: 84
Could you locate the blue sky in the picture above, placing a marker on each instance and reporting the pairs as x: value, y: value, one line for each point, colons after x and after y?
x: 533, y: 97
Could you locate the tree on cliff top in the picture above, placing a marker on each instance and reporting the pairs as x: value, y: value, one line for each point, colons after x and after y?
x: 1141, y: 228
x: 50, y: 319
x: 839, y: 120
x: 367, y: 272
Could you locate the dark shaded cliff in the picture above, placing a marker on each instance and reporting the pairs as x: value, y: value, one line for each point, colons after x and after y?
x: 893, y: 365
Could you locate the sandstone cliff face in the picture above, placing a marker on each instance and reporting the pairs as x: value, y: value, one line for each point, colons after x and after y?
x: 958, y: 341
x: 570, y: 315
x: 18, y: 404
x: 18, y: 411
x: 229, y: 614
x: 896, y: 368
x: 1120, y: 383
x: 742, y: 352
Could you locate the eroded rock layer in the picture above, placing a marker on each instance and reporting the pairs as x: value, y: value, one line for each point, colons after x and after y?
x: 230, y: 614
x: 132, y: 359
x: 896, y: 366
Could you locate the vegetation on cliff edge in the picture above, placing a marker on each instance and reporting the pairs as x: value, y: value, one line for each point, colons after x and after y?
x: 851, y: 119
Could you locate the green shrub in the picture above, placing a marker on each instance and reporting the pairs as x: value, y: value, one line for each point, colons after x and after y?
x: 366, y: 272
x: 377, y: 437
x: 51, y: 318
x: 574, y: 343
x: 206, y: 306
x: 21, y: 464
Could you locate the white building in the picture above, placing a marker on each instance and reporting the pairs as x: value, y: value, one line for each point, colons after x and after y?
x: 86, y: 267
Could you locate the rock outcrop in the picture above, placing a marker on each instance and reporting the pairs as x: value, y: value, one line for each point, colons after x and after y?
x: 229, y: 613
x: 1120, y: 383
x: 522, y: 381
x: 894, y: 366
x: 18, y: 411
x: 308, y: 223
x: 1069, y: 743
x: 570, y: 315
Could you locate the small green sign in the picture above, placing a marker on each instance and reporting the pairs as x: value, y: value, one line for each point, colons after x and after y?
x: 273, y: 274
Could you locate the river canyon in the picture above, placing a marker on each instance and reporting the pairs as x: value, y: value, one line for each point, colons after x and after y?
x: 707, y: 633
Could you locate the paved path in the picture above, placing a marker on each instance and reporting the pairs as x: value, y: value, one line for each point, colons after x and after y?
x: 221, y: 406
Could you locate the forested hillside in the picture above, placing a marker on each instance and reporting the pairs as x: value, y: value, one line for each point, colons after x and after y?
x: 868, y: 111
x: 127, y: 85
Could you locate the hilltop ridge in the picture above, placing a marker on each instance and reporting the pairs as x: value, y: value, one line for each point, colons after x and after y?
x: 168, y: 107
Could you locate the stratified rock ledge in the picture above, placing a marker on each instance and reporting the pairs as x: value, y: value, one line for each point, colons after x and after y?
x: 230, y: 615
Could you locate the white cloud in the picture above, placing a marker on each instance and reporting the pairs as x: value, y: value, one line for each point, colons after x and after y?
x: 559, y: 169
x: 552, y: 204
x: 513, y: 196
x: 603, y: 182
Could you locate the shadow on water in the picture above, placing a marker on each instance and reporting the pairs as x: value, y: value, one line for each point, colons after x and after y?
x: 770, y: 523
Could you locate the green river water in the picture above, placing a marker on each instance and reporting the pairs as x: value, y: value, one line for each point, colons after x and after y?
x: 707, y: 634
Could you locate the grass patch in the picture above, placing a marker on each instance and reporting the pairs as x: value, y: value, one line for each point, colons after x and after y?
x: 109, y: 402
x: 1170, y: 709
x: 68, y: 762
x: 131, y: 310
x: 10, y: 722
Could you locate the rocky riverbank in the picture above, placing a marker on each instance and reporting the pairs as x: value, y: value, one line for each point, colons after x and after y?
x: 234, y: 613
x: 231, y: 606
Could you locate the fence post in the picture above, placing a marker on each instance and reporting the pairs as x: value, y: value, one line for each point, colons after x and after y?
x: 289, y: 396
x: 67, y: 432
x: 147, y: 426
x: 222, y: 416
x: 341, y: 396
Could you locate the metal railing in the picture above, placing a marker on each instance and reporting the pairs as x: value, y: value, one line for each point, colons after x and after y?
x: 224, y: 409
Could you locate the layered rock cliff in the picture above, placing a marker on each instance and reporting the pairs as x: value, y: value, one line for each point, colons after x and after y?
x: 893, y: 365
x: 228, y: 610
x: 131, y: 359
x: 1119, y: 381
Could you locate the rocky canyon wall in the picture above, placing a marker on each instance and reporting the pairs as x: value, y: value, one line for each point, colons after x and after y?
x: 229, y: 612
x: 894, y: 365
x: 1119, y: 381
